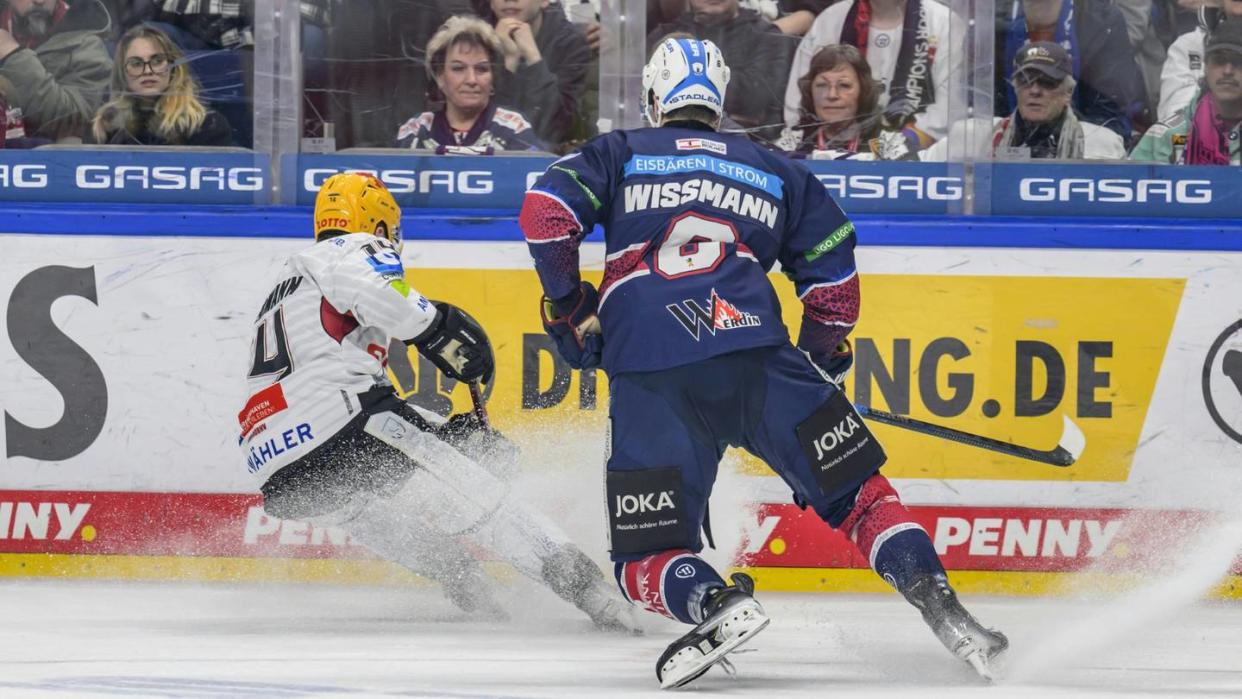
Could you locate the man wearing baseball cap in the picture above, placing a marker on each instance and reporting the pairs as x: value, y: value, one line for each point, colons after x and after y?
x: 1183, y: 66
x: 1044, y: 125
x: 1207, y: 131
x: 1109, y: 89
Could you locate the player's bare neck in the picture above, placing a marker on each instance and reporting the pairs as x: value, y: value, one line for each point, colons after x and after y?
x: 688, y: 124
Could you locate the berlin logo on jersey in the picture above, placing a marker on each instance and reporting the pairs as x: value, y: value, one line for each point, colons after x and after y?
x: 719, y: 315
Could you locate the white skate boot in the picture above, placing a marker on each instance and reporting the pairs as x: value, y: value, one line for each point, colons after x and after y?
x: 575, y: 578
x: 965, y: 637
x: 731, y: 618
x: 472, y: 591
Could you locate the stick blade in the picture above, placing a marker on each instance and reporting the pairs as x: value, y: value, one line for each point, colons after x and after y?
x: 1072, y: 442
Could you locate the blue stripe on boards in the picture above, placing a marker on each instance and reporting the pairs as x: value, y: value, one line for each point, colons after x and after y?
x: 501, y: 226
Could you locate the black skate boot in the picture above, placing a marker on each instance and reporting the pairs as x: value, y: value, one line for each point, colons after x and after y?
x: 731, y: 617
x: 965, y: 637
x: 575, y: 578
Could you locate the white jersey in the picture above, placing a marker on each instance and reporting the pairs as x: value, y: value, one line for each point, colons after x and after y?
x: 321, y: 338
x: 1180, y: 76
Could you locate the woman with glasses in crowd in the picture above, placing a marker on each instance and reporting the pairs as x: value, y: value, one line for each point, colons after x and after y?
x: 155, y: 98
x: 839, y: 107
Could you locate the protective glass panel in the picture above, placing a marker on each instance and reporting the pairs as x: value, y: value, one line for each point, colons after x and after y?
x: 451, y: 76
x: 114, y: 101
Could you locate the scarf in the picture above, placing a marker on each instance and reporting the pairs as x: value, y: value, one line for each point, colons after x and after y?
x: 1208, y: 140
x: 1065, y: 36
x: 911, y: 89
x: 846, y: 139
x: 1064, y: 141
x: 6, y: 22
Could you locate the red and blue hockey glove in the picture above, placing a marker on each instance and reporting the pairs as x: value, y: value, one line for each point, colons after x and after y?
x: 834, y: 365
x: 572, y: 324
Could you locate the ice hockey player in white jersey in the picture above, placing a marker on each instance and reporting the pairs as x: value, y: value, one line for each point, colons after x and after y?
x: 332, y: 444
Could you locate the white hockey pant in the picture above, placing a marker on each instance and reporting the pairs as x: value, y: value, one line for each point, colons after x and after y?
x: 449, y: 505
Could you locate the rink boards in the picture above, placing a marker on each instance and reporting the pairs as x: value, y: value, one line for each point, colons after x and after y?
x: 122, y: 385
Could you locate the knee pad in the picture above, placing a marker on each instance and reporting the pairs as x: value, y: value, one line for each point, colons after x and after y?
x: 877, y: 515
x: 670, y: 583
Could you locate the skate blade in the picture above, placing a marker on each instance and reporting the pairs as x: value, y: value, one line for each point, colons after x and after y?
x: 695, y: 667
x: 978, y: 660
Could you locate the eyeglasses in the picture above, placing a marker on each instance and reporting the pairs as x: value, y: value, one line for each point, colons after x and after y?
x: 1028, y: 78
x: 136, y: 66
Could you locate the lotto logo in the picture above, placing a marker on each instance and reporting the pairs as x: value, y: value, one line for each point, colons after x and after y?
x: 332, y: 223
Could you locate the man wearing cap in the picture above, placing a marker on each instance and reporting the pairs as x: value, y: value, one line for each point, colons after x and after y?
x: 1183, y: 67
x: 1044, y: 125
x: 1109, y: 88
x: 1207, y: 131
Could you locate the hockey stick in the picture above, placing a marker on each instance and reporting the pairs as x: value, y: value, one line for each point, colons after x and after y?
x: 480, y: 409
x: 1067, y: 451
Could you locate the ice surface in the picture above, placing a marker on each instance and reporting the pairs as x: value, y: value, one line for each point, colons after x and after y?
x: 91, y: 639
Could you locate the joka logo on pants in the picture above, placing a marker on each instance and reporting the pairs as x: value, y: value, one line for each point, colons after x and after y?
x: 829, y: 440
x: 646, y: 502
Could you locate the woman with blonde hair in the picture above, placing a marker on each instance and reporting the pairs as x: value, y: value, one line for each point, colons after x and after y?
x: 461, y: 60
x: 155, y: 98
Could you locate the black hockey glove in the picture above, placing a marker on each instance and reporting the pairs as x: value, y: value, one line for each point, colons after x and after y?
x: 457, y: 345
x: 835, y: 365
x: 572, y: 324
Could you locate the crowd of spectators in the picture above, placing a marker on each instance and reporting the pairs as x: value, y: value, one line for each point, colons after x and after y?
x: 1149, y: 80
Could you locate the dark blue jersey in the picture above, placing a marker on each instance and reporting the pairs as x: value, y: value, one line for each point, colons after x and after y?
x: 693, y: 221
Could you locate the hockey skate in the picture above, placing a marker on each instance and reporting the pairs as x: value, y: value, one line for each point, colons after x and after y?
x: 731, y: 617
x: 965, y: 637
x: 470, y: 589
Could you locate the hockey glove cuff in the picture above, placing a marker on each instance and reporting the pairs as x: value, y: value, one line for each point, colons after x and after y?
x: 457, y: 345
x: 834, y: 365
x: 574, y: 327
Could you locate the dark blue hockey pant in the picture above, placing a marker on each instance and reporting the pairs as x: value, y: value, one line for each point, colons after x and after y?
x: 685, y: 418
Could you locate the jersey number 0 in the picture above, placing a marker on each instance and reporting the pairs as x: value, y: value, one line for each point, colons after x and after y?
x: 274, y: 360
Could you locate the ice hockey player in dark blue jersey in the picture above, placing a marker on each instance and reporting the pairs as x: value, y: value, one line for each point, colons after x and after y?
x: 689, y: 330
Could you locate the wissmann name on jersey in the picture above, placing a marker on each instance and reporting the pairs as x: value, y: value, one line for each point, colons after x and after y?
x: 668, y: 195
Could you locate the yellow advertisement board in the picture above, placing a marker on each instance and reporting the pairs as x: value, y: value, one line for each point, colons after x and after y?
x: 1000, y: 356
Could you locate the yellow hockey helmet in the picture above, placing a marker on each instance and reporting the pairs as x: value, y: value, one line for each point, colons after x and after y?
x: 357, y: 202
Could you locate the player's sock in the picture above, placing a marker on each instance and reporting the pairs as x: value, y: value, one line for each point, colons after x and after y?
x: 897, y: 547
x: 672, y: 583
x: 902, y: 553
